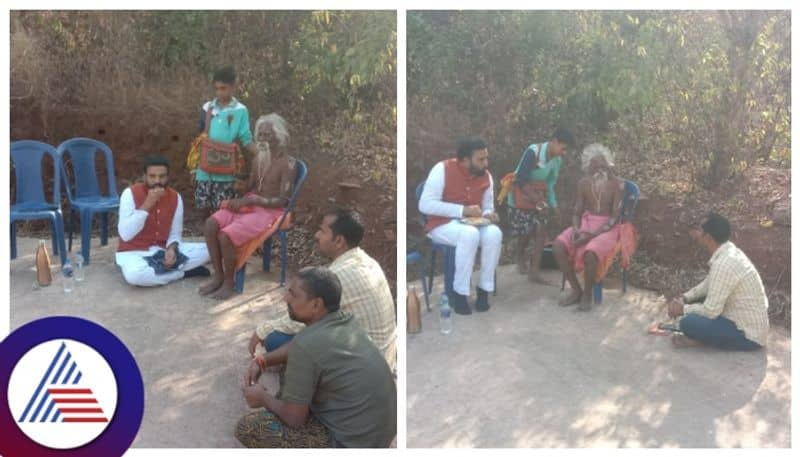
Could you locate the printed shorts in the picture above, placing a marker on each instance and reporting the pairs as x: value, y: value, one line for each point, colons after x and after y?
x: 523, y: 221
x: 209, y: 194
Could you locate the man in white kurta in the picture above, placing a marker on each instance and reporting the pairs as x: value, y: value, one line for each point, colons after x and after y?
x: 458, y: 188
x: 151, y: 221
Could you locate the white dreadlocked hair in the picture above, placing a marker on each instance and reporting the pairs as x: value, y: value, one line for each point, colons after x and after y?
x: 278, y: 126
x: 594, y: 150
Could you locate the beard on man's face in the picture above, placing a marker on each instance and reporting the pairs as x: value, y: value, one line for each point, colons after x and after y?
x: 264, y: 151
x: 292, y: 315
x: 476, y: 170
x: 600, y: 174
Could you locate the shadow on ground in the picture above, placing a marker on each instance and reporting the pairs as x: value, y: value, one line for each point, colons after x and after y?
x: 531, y: 374
x: 192, y: 351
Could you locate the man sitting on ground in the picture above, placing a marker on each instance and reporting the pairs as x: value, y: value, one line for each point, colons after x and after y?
x: 594, y: 232
x: 240, y: 220
x: 456, y: 190
x: 339, y: 391
x: 150, y: 251
x: 728, y: 310
x: 365, y: 290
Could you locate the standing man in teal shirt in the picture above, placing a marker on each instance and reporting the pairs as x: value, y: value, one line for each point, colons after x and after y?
x: 539, y: 167
x: 230, y: 122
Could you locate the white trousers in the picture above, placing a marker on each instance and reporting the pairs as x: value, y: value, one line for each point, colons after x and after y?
x: 467, y: 239
x: 138, y: 272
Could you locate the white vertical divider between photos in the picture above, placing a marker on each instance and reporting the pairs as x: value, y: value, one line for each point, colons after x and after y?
x: 401, y: 228
x: 5, y: 176
x: 795, y: 49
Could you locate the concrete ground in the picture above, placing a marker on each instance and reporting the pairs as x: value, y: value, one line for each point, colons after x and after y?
x: 192, y: 351
x: 531, y: 374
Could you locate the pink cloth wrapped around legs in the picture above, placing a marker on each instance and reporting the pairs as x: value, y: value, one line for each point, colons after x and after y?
x: 602, y: 245
x: 243, y: 227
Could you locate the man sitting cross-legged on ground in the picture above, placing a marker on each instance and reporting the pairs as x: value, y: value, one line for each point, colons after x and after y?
x: 240, y: 220
x: 594, y: 232
x: 728, y: 310
x: 365, y: 291
x: 150, y: 251
x: 455, y: 189
x: 339, y: 391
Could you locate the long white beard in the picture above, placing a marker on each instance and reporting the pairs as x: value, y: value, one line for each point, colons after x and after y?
x: 600, y: 178
x: 264, y: 156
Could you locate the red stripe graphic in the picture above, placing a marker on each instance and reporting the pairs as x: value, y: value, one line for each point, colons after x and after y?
x: 75, y: 400
x: 77, y: 405
x: 80, y: 410
x: 69, y: 391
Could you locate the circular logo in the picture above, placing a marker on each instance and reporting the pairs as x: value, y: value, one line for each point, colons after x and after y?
x: 72, y: 389
x: 66, y: 383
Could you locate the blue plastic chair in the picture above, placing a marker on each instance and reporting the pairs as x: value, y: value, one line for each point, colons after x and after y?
x: 415, y: 257
x: 302, y: 172
x: 31, y: 202
x: 84, y: 194
x: 630, y: 199
x: 448, y: 255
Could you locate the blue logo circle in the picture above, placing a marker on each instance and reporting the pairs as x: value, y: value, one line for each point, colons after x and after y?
x: 122, y: 427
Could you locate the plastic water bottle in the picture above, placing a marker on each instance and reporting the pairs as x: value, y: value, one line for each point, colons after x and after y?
x: 68, y: 277
x: 445, y: 315
x: 79, y: 268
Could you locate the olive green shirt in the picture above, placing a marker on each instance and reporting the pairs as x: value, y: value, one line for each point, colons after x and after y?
x: 335, y: 369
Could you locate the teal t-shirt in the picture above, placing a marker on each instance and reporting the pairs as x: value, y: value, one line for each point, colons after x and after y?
x: 228, y: 124
x: 548, y: 173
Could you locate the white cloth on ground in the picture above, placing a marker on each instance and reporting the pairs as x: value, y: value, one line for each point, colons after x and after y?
x: 138, y: 272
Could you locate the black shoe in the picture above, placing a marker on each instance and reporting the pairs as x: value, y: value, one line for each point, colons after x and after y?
x: 459, y: 303
x: 482, y: 303
x: 198, y: 272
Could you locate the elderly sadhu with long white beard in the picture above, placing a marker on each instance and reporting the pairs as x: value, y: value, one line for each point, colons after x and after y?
x: 240, y: 220
x: 594, y: 232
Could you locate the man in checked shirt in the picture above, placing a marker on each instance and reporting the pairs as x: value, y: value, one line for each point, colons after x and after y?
x: 365, y: 291
x: 728, y: 310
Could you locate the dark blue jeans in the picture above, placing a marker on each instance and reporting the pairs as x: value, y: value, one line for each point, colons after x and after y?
x: 720, y: 333
x: 275, y: 340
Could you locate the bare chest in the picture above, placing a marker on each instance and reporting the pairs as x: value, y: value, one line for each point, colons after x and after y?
x: 599, y: 196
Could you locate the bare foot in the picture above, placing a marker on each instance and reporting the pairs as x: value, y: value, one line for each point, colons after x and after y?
x: 522, y: 267
x: 211, y: 286
x: 683, y: 341
x: 571, y: 299
x: 223, y: 293
x: 655, y: 329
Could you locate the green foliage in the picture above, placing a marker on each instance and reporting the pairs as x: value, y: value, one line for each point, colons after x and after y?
x: 346, y: 56
x: 328, y: 61
x: 172, y: 38
x: 710, y: 88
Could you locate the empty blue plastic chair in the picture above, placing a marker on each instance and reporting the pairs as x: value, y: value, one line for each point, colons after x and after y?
x: 31, y: 202
x: 300, y: 178
x: 84, y: 192
x: 630, y: 199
